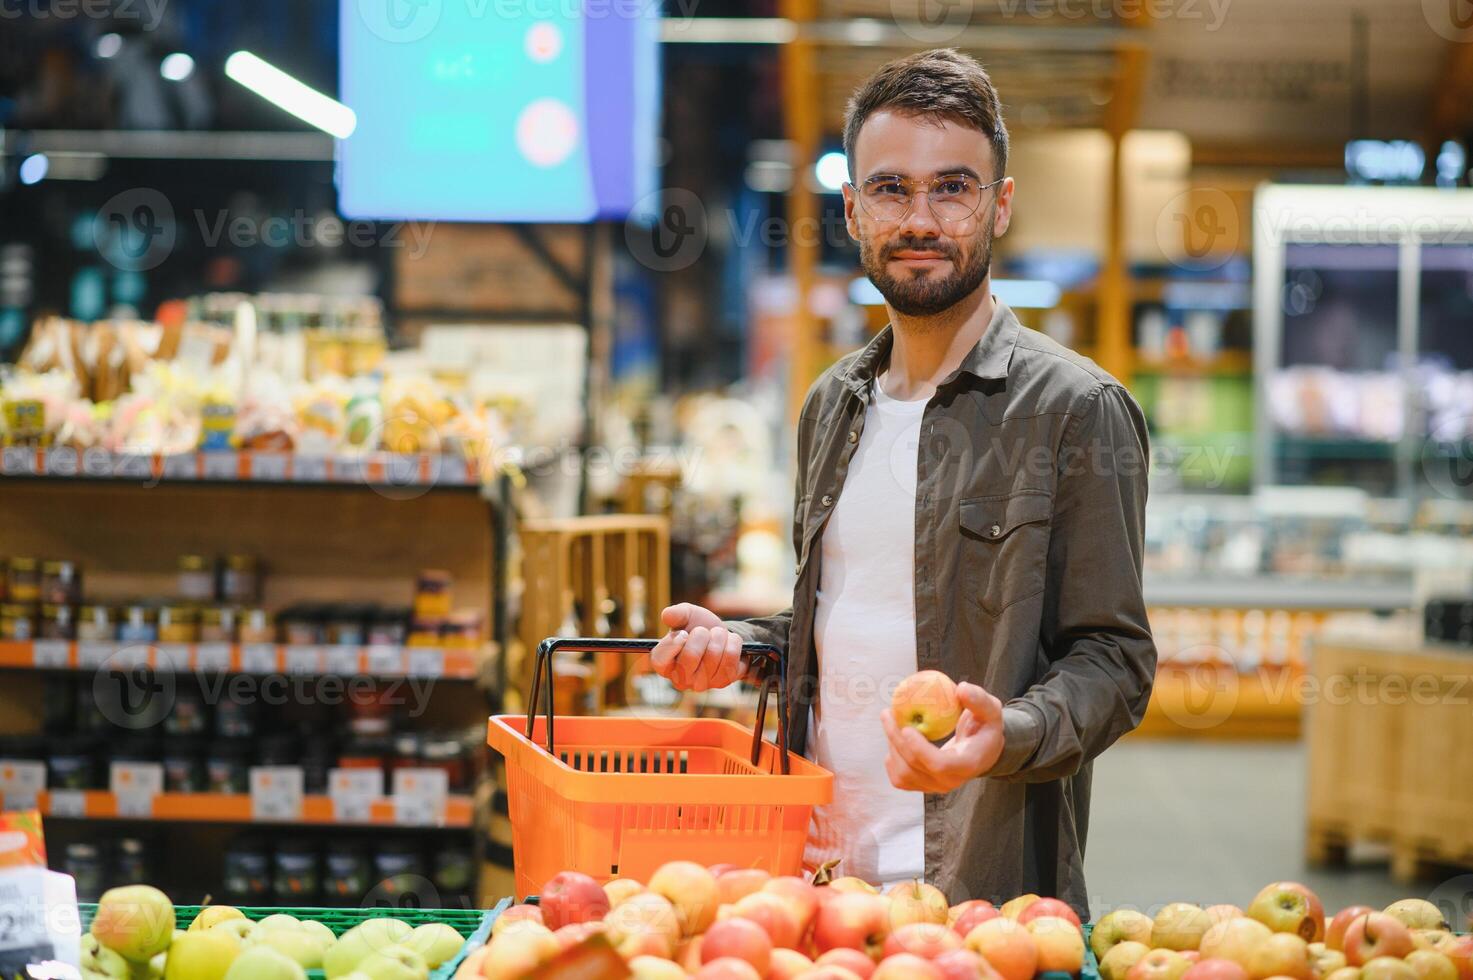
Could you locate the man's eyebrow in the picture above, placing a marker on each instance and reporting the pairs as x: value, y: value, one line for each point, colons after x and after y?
x: 960, y: 168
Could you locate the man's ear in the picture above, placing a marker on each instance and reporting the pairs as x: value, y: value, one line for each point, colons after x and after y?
x: 1003, y: 215
x: 851, y: 222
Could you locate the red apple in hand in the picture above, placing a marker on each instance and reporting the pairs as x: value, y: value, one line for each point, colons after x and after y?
x: 1335, y: 932
x: 927, y: 940
x: 571, y: 897
x: 1376, y: 934
x: 927, y: 701
x: 905, y: 966
x: 853, y: 920
x: 1288, y: 906
x: 1052, y: 907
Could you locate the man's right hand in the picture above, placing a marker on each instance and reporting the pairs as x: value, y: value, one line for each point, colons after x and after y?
x: 699, y: 653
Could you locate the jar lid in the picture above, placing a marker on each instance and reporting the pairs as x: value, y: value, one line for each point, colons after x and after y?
x: 59, y: 566
x: 96, y: 612
x: 22, y: 564
x: 192, y: 563
x: 241, y: 563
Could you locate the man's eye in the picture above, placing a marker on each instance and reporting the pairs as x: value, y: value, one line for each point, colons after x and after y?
x: 888, y: 189
x: 953, y: 188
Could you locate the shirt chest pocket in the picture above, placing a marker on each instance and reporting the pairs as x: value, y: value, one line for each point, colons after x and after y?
x: 1004, y: 547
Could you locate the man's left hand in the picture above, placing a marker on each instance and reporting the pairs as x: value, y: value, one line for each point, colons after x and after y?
x: 916, y: 764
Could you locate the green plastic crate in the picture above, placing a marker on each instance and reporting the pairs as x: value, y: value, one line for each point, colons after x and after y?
x: 473, y: 924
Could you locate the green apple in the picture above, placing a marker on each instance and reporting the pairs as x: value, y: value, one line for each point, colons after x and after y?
x: 1119, y: 926
x: 303, y: 946
x: 1417, y: 913
x: 280, y: 919
x: 321, y: 931
x: 264, y: 963
x: 368, y: 936
x: 212, y: 914
x: 436, y: 942
x: 136, y: 921
x: 202, y: 955
x: 241, y: 929
x: 394, y: 963
x: 98, y: 959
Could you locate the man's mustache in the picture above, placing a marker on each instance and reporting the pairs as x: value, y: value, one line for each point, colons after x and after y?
x: 946, y: 249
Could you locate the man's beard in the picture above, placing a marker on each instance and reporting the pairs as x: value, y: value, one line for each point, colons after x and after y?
x: 921, y: 294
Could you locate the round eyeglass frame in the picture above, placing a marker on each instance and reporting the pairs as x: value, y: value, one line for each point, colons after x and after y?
x: 859, y: 195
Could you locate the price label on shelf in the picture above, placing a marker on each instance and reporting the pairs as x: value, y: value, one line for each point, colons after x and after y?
x: 62, y: 461
x: 135, y: 784
x: 172, y: 658
x: 426, y: 662
x: 385, y: 660
x: 276, y: 792
x: 340, y: 660
x: 303, y: 660
x: 128, y: 656
x: 420, y: 796
x: 92, y: 655
x: 133, y: 466
x: 66, y: 803
x: 50, y: 654
x: 219, y: 466
x: 309, y: 469
x: 18, y: 461
x: 353, y: 792
x: 270, y: 467
x: 258, y: 658
x: 212, y: 658
x: 181, y: 466
x: 20, y: 781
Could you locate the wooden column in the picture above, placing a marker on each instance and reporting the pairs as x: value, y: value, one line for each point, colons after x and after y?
x: 803, y: 122
x: 1114, y: 348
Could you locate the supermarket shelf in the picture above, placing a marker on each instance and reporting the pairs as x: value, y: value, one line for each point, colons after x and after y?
x: 1277, y: 592
x: 1220, y: 702
x: 378, y: 469
x: 231, y: 808
x: 250, y: 658
x: 1229, y: 364
x: 1332, y: 447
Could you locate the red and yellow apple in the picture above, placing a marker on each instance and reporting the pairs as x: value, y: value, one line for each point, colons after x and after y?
x: 974, y: 914
x: 963, y: 964
x: 856, y: 962
x: 927, y: 940
x: 1179, y: 925
x: 1159, y: 964
x: 1335, y: 931
x: 1009, y: 947
x: 738, y: 883
x: 905, y: 966
x: 916, y: 901
x: 1431, y: 965
x: 1213, y: 968
x: 1283, y: 954
x: 1374, y: 935
x: 571, y: 896
x: 1116, y: 963
x: 787, y: 964
x: 692, y: 890
x: 1288, y: 906
x: 1234, y: 939
x: 927, y: 701
x: 1119, y: 926
x: 1049, y: 907
x: 742, y: 939
x: 853, y: 920
x: 774, y: 914
x: 1417, y: 913
x: 1060, y: 943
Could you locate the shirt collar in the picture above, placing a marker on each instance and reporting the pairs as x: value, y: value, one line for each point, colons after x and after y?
x: 989, y: 358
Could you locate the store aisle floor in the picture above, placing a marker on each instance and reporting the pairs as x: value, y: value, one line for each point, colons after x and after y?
x: 1204, y: 822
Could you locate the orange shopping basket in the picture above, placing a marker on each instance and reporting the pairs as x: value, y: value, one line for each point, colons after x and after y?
x: 618, y: 797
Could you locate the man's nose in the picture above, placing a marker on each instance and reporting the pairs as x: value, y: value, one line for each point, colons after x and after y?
x: 919, y: 221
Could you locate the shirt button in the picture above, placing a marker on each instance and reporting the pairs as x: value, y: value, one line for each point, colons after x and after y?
x: 853, y: 436
x: 995, y: 530
x: 828, y: 500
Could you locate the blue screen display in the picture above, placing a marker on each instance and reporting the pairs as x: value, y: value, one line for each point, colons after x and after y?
x: 498, y: 110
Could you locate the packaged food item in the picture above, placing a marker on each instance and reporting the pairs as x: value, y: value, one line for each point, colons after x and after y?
x: 300, y: 625
x: 347, y: 625
x: 235, y: 719
x: 23, y: 580
x: 461, y: 630
x: 296, y: 873
x: 369, y: 712
x: 257, y: 626
x: 184, y: 771
x: 240, y: 580
x: 345, y: 873
x: 83, y: 861
x: 178, y: 624
x: 95, y: 624
x: 398, y: 867
x: 217, y: 624
x: 365, y: 752
x: 61, y: 583
x: 246, y: 872
x: 227, y: 766
x: 139, y: 625
x: 189, y: 716
x: 447, y: 753
x: 453, y: 874
x: 130, y: 862
x: 57, y: 623
x: 71, y: 763
x: 17, y: 621
x: 196, y: 580
x: 432, y: 594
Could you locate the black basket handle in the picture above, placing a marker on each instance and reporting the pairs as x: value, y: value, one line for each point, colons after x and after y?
x: 764, y: 664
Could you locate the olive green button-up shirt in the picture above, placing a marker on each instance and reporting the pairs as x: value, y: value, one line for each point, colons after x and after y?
x: 1029, y: 518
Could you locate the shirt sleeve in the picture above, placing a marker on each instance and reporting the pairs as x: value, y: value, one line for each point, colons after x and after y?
x: 1103, y: 659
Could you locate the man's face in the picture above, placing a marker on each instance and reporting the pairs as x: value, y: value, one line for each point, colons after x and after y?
x: 923, y: 264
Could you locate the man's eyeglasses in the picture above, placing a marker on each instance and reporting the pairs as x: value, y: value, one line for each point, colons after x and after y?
x: 953, y: 197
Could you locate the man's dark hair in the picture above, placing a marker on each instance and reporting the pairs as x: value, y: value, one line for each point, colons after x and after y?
x: 943, y: 83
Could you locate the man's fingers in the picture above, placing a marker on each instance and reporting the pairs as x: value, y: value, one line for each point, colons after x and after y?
x: 729, y: 668
x: 711, y: 662
x: 662, y: 657
x: 983, y: 706
x: 684, y: 674
x: 676, y: 616
x: 918, y: 753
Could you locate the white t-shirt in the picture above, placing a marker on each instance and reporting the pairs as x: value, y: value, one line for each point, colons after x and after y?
x: 865, y: 635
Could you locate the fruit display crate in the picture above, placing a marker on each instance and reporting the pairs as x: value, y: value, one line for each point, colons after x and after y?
x: 473, y: 924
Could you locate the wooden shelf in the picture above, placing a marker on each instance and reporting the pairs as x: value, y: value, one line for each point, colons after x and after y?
x: 257, y: 658
x: 1226, y: 364
x: 376, y: 469
x: 231, y: 808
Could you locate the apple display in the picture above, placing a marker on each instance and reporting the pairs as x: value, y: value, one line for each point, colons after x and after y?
x: 916, y: 901
x: 1215, y: 969
x: 774, y: 914
x: 1387, y: 968
x: 264, y: 963
x: 692, y: 890
x: 618, y: 889
x: 963, y: 964
x: 1431, y: 965
x: 211, y: 914
x: 1159, y: 964
x: 571, y: 896
x: 1323, y: 960
x: 1234, y: 939
x: 435, y: 942
x: 646, y: 923
x: 1006, y: 945
x: 354, y: 945
x: 1374, y: 935
x: 1216, y: 913
x: 1014, y: 906
x: 244, y: 930
x: 1049, y: 907
x: 1417, y: 913
x: 974, y: 914
x: 906, y: 966
x: 1335, y: 931
x: 849, y: 883
x: 204, y: 955
x: 927, y: 940
x: 517, y: 953
x: 742, y: 939
x: 1116, y: 962
x: 1459, y: 949
x: 853, y: 920
x: 1118, y: 927
x: 1283, y: 954
x: 738, y: 883
x: 305, y: 947
x: 1179, y: 925
x: 799, y: 894
x: 134, y: 921
x: 787, y: 964
x: 727, y: 968
x: 654, y: 968
x: 856, y: 962
x: 1288, y: 906
x: 927, y: 701
x: 1060, y: 943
